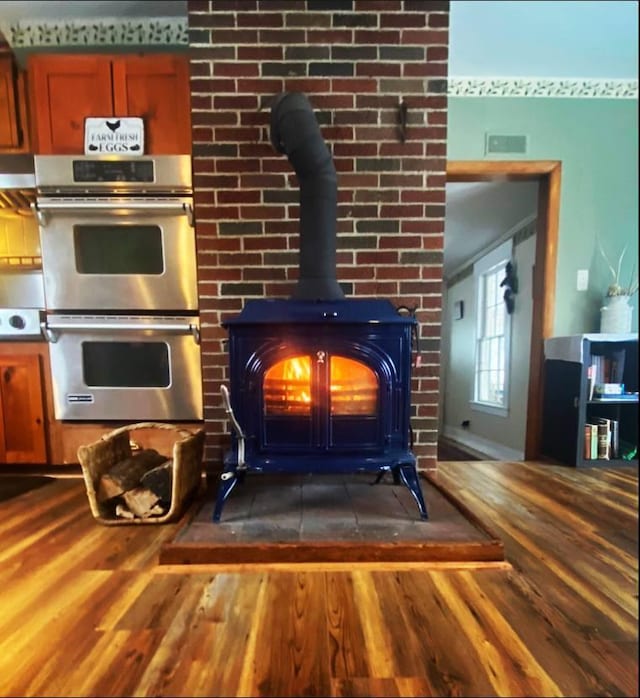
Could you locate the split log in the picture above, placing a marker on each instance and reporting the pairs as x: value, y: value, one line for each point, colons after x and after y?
x: 160, y: 480
x: 143, y: 502
x: 126, y: 474
x: 123, y: 512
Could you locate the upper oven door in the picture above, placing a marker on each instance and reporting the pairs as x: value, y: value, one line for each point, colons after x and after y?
x: 118, y: 254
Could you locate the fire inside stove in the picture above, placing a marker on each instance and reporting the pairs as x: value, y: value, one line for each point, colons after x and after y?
x: 290, y: 387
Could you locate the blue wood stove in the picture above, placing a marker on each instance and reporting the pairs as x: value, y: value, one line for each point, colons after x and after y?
x: 320, y: 387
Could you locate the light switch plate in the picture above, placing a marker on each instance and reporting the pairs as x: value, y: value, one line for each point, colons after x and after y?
x: 582, y: 280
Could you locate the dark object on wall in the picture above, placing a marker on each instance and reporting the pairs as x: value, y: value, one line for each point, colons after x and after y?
x: 295, y: 132
x: 510, y: 282
x: 458, y: 310
x: 403, y: 110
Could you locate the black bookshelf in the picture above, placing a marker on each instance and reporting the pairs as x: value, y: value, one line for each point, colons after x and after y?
x: 568, y: 406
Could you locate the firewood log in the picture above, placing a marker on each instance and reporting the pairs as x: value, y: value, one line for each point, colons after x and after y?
x: 143, y: 502
x: 126, y: 474
x: 123, y: 512
x: 159, y: 480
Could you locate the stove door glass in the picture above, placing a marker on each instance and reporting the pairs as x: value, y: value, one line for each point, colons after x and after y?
x: 353, y: 388
x: 287, y: 387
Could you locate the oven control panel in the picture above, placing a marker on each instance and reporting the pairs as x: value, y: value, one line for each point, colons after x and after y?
x: 20, y: 323
x: 113, y: 170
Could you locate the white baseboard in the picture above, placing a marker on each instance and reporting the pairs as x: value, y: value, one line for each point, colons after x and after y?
x: 481, y: 446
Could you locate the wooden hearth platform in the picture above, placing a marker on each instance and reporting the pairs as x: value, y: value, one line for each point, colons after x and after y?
x: 330, y: 518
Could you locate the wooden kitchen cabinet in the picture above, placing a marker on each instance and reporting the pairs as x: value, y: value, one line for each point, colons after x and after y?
x: 14, y: 132
x: 65, y: 89
x: 22, y: 405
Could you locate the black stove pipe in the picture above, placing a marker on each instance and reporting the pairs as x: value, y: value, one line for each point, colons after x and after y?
x: 295, y: 132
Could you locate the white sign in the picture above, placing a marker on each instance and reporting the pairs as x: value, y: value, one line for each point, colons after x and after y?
x: 113, y: 135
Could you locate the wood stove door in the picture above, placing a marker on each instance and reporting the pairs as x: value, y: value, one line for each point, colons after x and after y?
x: 323, y: 402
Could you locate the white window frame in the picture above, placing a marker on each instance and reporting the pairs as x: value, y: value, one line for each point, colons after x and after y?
x: 493, y: 261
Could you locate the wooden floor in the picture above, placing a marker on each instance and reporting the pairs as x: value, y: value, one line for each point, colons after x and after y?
x: 85, y: 610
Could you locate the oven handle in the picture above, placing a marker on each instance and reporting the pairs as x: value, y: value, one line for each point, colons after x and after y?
x: 43, y: 209
x: 51, y: 330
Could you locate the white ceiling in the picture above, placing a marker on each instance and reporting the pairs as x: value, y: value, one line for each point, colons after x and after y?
x: 480, y: 213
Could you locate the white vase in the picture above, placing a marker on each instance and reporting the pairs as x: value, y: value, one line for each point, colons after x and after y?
x: 615, y: 315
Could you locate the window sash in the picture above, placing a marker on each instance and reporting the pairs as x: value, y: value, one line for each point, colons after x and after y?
x: 493, y: 331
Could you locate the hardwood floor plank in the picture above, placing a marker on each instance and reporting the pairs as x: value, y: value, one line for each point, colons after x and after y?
x: 294, y: 638
x: 375, y: 626
x: 346, y: 636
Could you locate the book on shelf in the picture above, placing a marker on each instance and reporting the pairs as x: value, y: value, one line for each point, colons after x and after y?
x: 608, y: 368
x: 587, y: 441
x: 591, y: 441
x: 604, y: 438
x: 591, y: 379
x: 615, y: 438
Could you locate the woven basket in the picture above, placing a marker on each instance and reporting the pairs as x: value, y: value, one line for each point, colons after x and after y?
x: 97, y: 458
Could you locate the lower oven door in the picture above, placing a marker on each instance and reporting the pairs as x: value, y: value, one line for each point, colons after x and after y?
x: 116, y: 368
x: 118, y: 254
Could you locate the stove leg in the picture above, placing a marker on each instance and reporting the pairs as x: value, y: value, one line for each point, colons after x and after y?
x: 228, y: 481
x: 409, y: 476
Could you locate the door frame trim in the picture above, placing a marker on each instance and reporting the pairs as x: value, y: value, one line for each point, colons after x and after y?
x: 548, y: 175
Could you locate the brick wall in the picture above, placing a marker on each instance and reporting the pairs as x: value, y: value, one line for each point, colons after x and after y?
x: 355, y: 60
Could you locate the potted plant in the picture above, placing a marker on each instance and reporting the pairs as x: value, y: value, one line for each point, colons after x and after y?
x: 615, y: 314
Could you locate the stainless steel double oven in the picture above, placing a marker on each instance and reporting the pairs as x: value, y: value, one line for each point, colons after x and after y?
x: 120, y: 282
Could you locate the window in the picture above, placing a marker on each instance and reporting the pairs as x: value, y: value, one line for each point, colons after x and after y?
x: 493, y: 325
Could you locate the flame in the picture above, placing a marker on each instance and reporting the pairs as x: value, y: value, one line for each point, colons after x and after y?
x: 353, y: 387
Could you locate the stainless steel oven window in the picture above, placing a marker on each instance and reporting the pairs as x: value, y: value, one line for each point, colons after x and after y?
x: 126, y: 364
x: 118, y: 249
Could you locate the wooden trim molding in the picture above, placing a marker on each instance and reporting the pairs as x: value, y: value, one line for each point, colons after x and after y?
x: 548, y: 174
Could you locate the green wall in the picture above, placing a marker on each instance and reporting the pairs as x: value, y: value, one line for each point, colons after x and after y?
x: 597, y: 142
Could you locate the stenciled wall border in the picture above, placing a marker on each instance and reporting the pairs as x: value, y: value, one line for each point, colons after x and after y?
x: 99, y: 32
x: 543, y: 87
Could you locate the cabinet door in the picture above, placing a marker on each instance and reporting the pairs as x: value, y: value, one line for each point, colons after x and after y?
x: 64, y: 90
x: 22, y: 438
x: 156, y: 88
x: 9, y: 134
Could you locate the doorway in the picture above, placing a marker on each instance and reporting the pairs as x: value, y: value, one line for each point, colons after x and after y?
x: 547, y: 176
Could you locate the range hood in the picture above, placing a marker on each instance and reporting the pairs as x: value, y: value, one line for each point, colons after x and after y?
x: 17, y: 182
